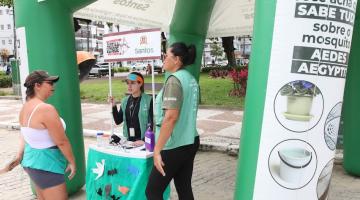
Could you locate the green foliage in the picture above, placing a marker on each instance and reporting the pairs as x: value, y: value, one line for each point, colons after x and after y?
x: 214, y: 92
x: 219, y: 67
x: 121, y: 69
x: 8, y: 3
x: 5, y: 81
x: 218, y: 73
x: 299, y: 88
x: 216, y: 51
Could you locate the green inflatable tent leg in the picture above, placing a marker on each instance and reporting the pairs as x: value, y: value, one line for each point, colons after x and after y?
x: 48, y: 27
x: 255, y: 100
x: 190, y: 24
x: 351, y: 106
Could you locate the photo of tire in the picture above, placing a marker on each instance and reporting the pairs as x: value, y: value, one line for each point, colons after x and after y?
x: 331, y: 127
x: 323, y: 183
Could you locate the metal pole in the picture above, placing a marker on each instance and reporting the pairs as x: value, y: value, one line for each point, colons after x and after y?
x: 14, y: 30
x: 153, y: 92
x: 110, y: 94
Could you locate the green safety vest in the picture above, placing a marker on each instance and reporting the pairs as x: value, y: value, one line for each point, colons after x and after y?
x: 185, y: 128
x: 51, y: 160
x: 143, y: 114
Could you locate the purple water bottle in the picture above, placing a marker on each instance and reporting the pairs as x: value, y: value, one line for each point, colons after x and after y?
x: 149, y: 139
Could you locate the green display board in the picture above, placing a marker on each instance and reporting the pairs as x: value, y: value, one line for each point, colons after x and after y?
x: 110, y: 176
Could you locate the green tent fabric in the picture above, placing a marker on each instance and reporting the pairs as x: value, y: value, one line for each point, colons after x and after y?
x: 122, y: 177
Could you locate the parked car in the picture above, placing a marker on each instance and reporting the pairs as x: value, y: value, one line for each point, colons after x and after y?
x: 158, y: 69
x: 138, y: 67
x: 100, y: 69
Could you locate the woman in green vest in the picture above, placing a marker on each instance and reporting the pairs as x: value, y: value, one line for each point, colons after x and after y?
x: 136, y: 110
x: 177, y: 140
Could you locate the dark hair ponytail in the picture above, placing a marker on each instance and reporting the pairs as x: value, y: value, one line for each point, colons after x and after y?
x: 187, y: 54
x: 30, y: 92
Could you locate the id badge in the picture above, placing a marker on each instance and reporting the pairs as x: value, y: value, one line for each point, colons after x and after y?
x: 132, y: 132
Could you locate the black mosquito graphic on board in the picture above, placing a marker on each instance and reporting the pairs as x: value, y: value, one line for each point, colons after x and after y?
x: 99, y: 192
x: 112, y: 172
x: 113, y: 197
x: 107, y: 190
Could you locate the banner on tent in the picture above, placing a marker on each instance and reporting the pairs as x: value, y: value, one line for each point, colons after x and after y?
x: 132, y: 45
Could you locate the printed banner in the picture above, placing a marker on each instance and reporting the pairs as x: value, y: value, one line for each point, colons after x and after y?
x: 308, y: 65
x: 132, y: 45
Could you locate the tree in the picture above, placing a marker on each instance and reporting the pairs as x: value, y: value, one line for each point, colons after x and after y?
x: 228, y: 45
x: 163, y: 45
x: 215, y: 50
x: 8, y: 3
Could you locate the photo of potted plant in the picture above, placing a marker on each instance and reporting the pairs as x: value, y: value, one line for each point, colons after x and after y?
x: 300, y: 94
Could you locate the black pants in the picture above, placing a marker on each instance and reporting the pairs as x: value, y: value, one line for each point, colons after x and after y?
x: 178, y: 166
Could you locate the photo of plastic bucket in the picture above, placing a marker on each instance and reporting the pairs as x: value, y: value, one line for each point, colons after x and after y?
x: 293, y: 163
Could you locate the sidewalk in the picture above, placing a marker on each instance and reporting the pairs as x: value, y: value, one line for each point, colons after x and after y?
x: 214, y: 172
x: 213, y: 177
x: 219, y: 129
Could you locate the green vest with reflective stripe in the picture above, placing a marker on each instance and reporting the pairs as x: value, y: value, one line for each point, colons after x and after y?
x: 143, y: 114
x: 51, y: 160
x: 185, y: 128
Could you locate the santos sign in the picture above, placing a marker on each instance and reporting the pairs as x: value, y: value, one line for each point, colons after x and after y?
x: 132, y: 45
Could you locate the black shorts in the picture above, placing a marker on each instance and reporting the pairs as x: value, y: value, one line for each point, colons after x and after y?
x: 44, y: 179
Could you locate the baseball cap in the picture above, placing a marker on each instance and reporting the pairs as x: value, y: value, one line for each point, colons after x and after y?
x: 39, y: 76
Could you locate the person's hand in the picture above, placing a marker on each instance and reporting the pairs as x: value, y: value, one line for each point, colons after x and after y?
x: 11, y: 165
x: 159, y: 163
x: 111, y: 100
x: 72, y: 169
x: 15, y: 162
x: 138, y: 143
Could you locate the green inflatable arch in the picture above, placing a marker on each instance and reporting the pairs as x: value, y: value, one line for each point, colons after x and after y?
x: 47, y: 26
x: 49, y: 38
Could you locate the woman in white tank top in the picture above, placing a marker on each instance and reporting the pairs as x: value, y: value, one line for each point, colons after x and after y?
x: 42, y: 132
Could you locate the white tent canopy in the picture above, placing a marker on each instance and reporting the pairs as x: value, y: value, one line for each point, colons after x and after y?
x: 229, y: 17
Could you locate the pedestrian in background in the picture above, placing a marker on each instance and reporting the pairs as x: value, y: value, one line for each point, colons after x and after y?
x: 8, y: 69
x: 148, y: 69
x: 177, y: 140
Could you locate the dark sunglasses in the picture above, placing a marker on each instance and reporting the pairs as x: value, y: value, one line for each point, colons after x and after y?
x: 49, y: 82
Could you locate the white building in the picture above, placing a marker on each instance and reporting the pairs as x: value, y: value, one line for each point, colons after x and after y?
x: 90, y: 36
x: 6, y: 30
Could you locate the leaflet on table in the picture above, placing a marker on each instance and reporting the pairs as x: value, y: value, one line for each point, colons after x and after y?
x: 135, y: 152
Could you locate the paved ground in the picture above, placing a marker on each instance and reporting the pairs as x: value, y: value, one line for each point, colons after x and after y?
x: 214, y: 176
x: 214, y: 172
x: 220, y: 128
